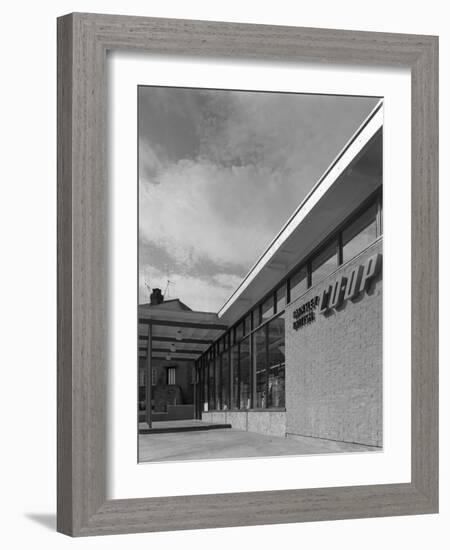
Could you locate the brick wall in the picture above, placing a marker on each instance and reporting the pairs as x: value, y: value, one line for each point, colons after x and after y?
x: 334, y: 365
x: 265, y: 422
x: 183, y: 390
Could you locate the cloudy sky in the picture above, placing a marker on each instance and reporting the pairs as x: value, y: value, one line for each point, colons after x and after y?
x: 220, y: 172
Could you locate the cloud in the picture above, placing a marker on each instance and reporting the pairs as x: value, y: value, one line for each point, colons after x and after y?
x: 203, y: 210
x: 222, y: 171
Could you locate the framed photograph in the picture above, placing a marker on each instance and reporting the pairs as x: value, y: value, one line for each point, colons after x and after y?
x: 247, y: 274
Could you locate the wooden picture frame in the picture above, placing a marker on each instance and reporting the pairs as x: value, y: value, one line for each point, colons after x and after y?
x: 83, y: 40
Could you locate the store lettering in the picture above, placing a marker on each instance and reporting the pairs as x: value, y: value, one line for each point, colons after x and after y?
x: 305, y: 314
x: 347, y: 287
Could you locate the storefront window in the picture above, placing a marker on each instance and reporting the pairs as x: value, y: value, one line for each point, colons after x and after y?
x: 380, y: 217
x: 226, y: 341
x: 360, y: 234
x: 280, y: 298
x: 239, y: 331
x: 225, y: 381
x: 260, y: 352
x: 325, y: 262
x: 248, y: 323
x: 245, y: 374
x: 276, y: 363
x: 299, y: 283
x: 267, y: 309
x: 235, y: 376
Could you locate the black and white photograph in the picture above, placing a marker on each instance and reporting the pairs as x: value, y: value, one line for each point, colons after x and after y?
x: 260, y: 274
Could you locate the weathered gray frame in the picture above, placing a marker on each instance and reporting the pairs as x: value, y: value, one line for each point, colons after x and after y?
x: 83, y: 40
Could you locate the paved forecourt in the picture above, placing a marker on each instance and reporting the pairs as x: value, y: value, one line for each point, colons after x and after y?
x: 232, y: 443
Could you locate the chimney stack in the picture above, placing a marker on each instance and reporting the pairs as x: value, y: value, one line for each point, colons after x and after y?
x: 156, y: 297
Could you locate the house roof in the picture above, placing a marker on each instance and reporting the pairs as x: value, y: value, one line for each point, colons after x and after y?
x: 173, y: 305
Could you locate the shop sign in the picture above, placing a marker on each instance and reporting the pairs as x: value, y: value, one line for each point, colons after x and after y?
x: 333, y: 296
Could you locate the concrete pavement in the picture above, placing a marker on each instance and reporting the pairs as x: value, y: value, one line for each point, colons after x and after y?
x: 232, y: 443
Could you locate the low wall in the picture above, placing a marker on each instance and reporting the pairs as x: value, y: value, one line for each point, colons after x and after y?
x: 265, y: 422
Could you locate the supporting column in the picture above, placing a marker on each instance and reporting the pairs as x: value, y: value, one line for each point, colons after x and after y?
x: 194, y: 389
x: 148, y: 378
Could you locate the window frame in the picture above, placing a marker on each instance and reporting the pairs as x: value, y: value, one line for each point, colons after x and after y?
x: 171, y: 370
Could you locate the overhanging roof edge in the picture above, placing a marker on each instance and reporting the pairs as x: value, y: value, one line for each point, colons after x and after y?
x: 371, y: 124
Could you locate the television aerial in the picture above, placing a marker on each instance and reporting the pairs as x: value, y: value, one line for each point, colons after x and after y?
x: 167, y: 289
x: 149, y: 288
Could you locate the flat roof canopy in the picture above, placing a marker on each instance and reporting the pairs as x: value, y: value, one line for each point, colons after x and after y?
x: 352, y: 177
x: 185, y: 335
